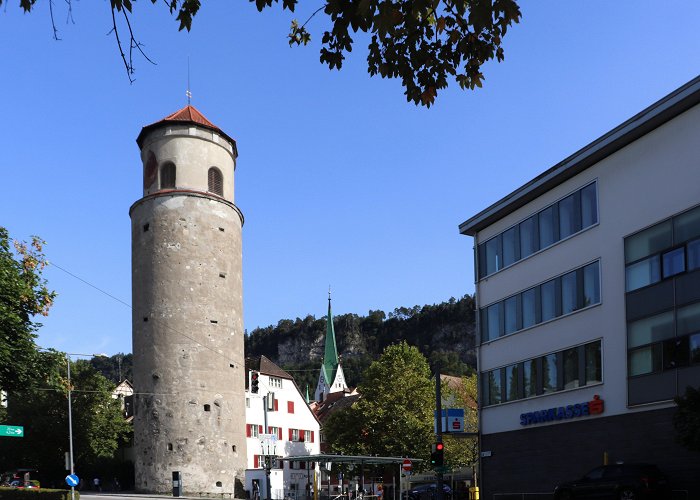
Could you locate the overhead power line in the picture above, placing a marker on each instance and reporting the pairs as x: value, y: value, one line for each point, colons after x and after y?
x: 156, y: 320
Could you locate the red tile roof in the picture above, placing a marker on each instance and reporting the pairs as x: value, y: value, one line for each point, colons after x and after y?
x: 188, y: 114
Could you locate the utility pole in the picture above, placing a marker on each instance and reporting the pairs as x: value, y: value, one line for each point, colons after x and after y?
x: 266, y: 453
x: 70, y: 429
x: 438, y: 437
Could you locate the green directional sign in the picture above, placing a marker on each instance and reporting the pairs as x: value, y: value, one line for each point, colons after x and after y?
x: 16, y: 431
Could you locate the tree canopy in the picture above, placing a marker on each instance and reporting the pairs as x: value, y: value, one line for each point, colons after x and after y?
x: 99, y: 426
x: 459, y: 451
x: 24, y: 294
x: 423, y: 43
x: 394, y: 415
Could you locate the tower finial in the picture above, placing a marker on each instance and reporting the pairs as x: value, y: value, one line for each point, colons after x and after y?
x: 329, y: 294
x: 188, y: 93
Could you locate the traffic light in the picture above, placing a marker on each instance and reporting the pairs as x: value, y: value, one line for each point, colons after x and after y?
x: 437, y: 457
x: 254, y: 382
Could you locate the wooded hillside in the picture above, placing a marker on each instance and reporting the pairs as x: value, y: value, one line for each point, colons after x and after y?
x: 444, y: 332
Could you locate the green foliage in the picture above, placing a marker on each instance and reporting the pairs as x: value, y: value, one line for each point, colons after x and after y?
x: 114, y: 368
x: 23, y: 295
x: 36, y: 494
x: 390, y: 418
x: 687, y: 419
x: 424, y: 43
x: 462, y: 452
x: 98, y: 424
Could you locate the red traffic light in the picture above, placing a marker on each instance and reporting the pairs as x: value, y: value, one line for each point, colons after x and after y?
x: 254, y: 382
x: 439, y: 447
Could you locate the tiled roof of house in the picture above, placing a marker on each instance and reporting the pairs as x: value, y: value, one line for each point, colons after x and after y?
x: 334, y: 402
x: 265, y: 366
x: 188, y: 114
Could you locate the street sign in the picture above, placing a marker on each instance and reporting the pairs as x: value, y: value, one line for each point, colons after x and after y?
x: 16, y: 431
x: 407, y: 465
x: 452, y: 420
x: 72, y: 480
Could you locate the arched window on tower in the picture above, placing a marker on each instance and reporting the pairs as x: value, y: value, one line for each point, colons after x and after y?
x: 216, y: 181
x: 167, y: 176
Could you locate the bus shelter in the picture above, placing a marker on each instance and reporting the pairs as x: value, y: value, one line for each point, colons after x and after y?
x: 326, y: 462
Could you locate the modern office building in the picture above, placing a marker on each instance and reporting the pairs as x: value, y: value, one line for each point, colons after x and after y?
x: 588, y: 290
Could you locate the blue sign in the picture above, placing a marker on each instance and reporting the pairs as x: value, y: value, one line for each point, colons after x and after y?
x: 72, y: 480
x: 452, y: 420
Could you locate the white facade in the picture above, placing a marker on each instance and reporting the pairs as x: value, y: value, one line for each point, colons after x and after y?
x: 540, y: 371
x: 297, y: 432
x: 324, y: 387
x: 633, y: 193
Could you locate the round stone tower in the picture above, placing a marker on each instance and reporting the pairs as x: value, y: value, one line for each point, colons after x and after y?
x: 187, y: 321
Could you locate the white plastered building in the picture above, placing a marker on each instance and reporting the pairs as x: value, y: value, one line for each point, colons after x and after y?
x: 291, y: 424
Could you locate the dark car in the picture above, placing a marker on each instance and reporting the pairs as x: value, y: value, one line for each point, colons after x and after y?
x: 426, y: 492
x: 619, y: 482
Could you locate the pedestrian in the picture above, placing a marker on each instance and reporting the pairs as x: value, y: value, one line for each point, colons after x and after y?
x: 256, y: 489
x: 96, y: 484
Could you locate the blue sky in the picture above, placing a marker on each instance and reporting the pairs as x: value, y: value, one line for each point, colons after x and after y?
x: 340, y: 180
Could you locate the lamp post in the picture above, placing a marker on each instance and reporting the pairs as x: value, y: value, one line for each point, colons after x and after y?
x: 70, y: 415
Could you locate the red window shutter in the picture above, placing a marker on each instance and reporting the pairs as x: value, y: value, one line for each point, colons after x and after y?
x: 301, y: 435
x: 275, y: 403
x: 279, y: 433
x: 290, y: 406
x: 256, y: 461
x: 260, y: 429
x: 290, y: 433
x: 312, y: 436
x: 247, y: 430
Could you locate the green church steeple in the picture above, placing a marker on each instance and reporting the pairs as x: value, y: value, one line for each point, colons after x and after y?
x: 330, y: 356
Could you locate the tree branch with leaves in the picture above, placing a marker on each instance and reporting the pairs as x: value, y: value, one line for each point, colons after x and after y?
x: 423, y: 43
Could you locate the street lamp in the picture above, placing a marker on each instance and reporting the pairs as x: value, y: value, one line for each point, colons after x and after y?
x: 70, y: 414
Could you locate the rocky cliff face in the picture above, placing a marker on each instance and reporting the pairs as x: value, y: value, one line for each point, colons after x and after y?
x: 444, y: 332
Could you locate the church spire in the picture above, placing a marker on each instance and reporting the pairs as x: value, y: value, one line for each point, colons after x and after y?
x: 330, y: 357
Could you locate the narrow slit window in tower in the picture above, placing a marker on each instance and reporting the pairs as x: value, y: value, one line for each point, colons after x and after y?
x: 170, y: 446
x: 207, y: 407
x: 167, y: 176
x: 216, y: 181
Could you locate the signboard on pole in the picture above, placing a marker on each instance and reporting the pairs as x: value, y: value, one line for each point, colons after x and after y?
x: 407, y: 465
x: 16, y: 431
x: 452, y: 420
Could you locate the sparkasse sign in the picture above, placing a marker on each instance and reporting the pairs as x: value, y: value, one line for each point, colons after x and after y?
x: 577, y: 410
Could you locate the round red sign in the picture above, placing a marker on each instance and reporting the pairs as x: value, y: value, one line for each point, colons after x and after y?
x: 407, y: 465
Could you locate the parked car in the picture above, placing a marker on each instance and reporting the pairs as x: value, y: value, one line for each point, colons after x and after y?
x: 426, y: 492
x: 32, y: 483
x: 618, y: 482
